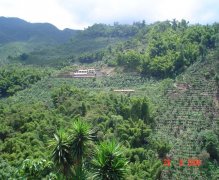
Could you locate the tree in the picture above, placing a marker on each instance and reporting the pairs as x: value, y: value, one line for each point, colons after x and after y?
x: 109, y: 162
x: 60, y: 95
x: 36, y: 169
x: 174, y: 24
x: 83, y: 109
x: 6, y: 170
x: 152, y: 166
x: 69, y: 151
x: 80, y: 144
x: 61, y: 154
x: 130, y: 59
x: 145, y: 110
x: 16, y: 78
x: 136, y: 109
x: 210, y: 143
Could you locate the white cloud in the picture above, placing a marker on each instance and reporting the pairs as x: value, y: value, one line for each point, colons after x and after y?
x: 37, y: 11
x: 78, y: 14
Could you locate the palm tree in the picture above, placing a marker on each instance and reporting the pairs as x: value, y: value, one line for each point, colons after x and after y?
x: 109, y: 162
x: 81, y: 140
x: 61, y: 154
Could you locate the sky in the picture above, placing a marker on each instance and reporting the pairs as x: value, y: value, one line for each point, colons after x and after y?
x: 79, y: 14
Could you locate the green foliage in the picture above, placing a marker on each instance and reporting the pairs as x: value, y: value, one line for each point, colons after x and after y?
x: 15, y: 29
x: 141, y: 108
x: 131, y: 60
x: 81, y: 141
x: 179, y: 108
x: 14, y: 79
x: 109, y: 162
x: 136, y: 109
x: 70, y: 149
x: 134, y: 132
x: 61, y: 154
x: 149, y: 168
x: 6, y: 170
x: 26, y: 129
x: 91, y: 57
x: 166, y: 55
x: 162, y: 146
x: 83, y: 109
x: 210, y: 142
x: 145, y: 110
x: 37, y: 168
x: 117, y: 30
x: 210, y: 170
x: 35, y: 125
x: 61, y: 95
x: 170, y: 48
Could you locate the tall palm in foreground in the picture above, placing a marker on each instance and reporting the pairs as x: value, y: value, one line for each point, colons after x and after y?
x: 109, y: 162
x: 81, y: 141
x: 61, y: 154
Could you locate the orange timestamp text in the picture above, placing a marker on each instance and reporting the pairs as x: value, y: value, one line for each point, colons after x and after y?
x: 181, y: 162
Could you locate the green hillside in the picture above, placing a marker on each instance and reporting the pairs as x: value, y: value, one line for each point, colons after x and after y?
x: 45, y: 45
x: 15, y: 29
x: 54, y: 127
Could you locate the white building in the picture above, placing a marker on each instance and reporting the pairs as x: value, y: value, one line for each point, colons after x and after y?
x: 85, y: 72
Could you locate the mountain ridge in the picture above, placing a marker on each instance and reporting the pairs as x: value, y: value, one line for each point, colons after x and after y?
x: 16, y: 29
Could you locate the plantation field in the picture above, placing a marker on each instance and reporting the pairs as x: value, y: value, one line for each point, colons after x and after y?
x: 41, y: 91
x: 185, y: 113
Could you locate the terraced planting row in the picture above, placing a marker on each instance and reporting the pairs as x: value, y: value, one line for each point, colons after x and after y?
x: 41, y: 91
x: 187, y: 108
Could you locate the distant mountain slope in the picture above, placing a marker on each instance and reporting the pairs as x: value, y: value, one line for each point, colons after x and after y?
x: 15, y: 29
x: 47, y: 45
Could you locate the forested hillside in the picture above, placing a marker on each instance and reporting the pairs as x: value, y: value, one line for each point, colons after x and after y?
x: 44, y: 44
x: 55, y: 127
x: 15, y: 29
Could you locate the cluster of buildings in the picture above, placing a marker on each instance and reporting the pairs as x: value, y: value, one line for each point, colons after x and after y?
x: 84, y: 73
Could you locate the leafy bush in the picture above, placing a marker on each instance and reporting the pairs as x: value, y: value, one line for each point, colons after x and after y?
x: 13, y: 79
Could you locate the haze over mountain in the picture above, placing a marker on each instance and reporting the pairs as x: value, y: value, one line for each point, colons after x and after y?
x: 15, y: 29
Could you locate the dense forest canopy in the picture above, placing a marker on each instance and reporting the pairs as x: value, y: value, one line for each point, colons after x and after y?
x: 160, y: 49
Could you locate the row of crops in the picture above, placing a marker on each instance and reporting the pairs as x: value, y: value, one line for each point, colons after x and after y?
x: 41, y: 91
x: 183, y: 113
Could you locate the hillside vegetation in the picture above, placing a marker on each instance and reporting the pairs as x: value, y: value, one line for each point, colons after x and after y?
x: 15, y: 29
x: 68, y: 128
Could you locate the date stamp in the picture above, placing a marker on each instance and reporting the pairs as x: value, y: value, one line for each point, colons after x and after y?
x: 189, y: 162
